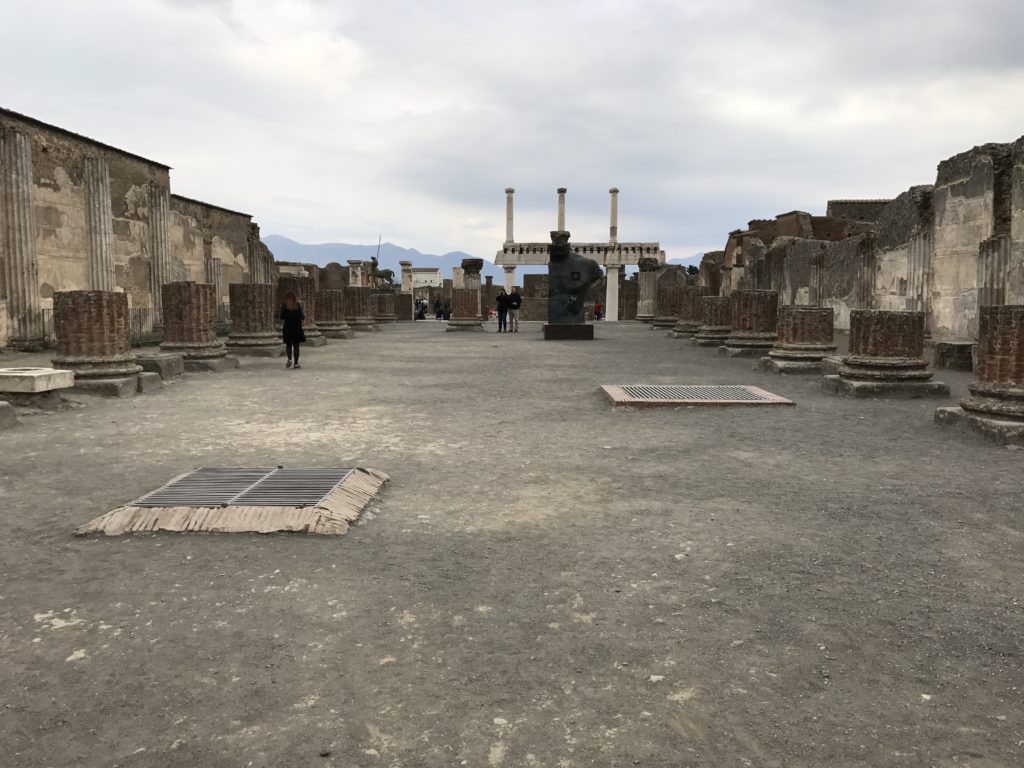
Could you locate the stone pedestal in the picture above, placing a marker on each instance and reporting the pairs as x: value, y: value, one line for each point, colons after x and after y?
x: 190, y: 327
x: 404, y: 308
x: 359, y: 313
x: 716, y: 316
x: 91, y: 328
x: 575, y: 332
x: 755, y: 316
x: 465, y: 310
x: 647, y: 285
x: 805, y: 337
x: 330, y: 307
x: 166, y: 365
x: 995, y: 406
x: 254, y: 309
x: 305, y: 292
x: 886, y: 358
x: 955, y: 355
x: 666, y: 306
x: 690, y: 319
x: 385, y: 308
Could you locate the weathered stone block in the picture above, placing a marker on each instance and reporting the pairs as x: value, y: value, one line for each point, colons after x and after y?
x: 122, y: 386
x: 32, y: 380
x: 742, y: 351
x: 166, y: 364
x: 212, y: 364
x: 150, y: 382
x: 835, y: 385
x: 781, y: 366
x: 8, y: 416
x: 955, y: 355
x: 998, y: 431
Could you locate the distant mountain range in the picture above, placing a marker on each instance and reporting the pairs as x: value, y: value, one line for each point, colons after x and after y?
x: 286, y: 249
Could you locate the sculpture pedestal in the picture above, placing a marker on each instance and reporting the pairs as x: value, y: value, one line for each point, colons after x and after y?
x: 576, y: 332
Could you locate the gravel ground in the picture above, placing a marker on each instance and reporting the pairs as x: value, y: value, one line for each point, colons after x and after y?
x: 546, y: 581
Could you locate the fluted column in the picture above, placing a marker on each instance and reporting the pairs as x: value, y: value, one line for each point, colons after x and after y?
x: 159, y: 252
x: 330, y: 317
x: 212, y: 266
x: 358, y: 311
x: 715, y: 320
x: 690, y: 319
x: 611, y: 294
x: 406, y: 276
x: 471, y: 278
x: 100, y: 219
x: 805, y: 337
x: 92, y: 334
x: 465, y: 310
x: 18, y: 242
x: 190, y: 321
x: 647, y: 284
x: 508, y: 215
x: 561, y: 209
x: 613, y: 227
x: 999, y: 391
x: 755, y: 317
x: 666, y: 306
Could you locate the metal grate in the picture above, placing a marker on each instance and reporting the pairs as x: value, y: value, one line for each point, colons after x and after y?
x: 246, y: 487
x: 691, y: 394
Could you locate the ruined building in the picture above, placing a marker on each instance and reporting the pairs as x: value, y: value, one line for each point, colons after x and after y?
x: 944, y: 249
x: 79, y: 214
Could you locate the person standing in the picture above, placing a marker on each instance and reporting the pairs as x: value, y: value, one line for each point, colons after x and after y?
x: 291, y: 328
x: 501, y: 301
x: 515, y: 301
x: 598, y: 309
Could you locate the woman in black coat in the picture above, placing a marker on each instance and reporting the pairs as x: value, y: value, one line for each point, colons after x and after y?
x: 291, y: 328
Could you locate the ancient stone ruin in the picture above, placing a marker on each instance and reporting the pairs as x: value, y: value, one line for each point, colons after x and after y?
x: 805, y: 338
x: 330, y: 305
x: 359, y: 312
x: 754, y: 321
x: 254, y: 310
x: 190, y: 327
x: 305, y: 290
x: 690, y: 312
x: 716, y: 320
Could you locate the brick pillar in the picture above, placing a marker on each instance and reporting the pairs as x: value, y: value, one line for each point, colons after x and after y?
x: 805, y: 337
x: 886, y: 346
x: 190, y: 321
x: 92, y: 332
x: 465, y: 310
x: 690, y: 312
x: 385, y: 308
x: 471, y: 278
x: 715, y: 323
x: 755, y: 316
x: 647, y: 283
x: 666, y: 305
x: 305, y: 292
x: 999, y: 391
x: 358, y: 311
x: 254, y: 310
x: 330, y: 307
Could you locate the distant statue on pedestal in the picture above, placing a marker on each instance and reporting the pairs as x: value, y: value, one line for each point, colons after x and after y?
x: 569, y: 278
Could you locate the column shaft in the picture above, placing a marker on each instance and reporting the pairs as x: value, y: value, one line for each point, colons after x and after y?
x: 508, y: 215
x: 159, y: 252
x: 101, y: 224
x: 611, y: 294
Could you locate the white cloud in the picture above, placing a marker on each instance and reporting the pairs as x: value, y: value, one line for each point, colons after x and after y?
x: 343, y: 120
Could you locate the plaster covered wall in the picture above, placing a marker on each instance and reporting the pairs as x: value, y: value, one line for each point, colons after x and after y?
x: 193, y: 224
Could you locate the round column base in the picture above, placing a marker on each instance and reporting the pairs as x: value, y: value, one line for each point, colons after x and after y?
x: 99, y: 367
x: 998, y: 401
x: 864, y: 368
x: 195, y: 350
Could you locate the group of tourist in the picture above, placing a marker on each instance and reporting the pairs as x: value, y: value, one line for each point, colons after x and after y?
x: 508, y: 305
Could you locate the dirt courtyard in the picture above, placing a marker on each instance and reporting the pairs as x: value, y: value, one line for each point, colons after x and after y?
x: 546, y: 581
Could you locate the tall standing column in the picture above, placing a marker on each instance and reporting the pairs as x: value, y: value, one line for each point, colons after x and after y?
x: 212, y: 266
x: 159, y: 252
x: 510, y: 278
x: 18, y: 243
x: 508, y: 215
x: 613, y: 228
x: 355, y: 273
x: 611, y: 294
x: 100, y: 219
x: 648, y: 285
x: 561, y: 208
x: 406, y: 276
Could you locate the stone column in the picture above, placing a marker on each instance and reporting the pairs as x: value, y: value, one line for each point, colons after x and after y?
x: 510, y: 278
x: 613, y: 227
x: 92, y: 336
x: 406, y: 276
x: 471, y: 279
x: 190, y: 326
x: 611, y: 293
x: 18, y: 240
x: 561, y: 209
x: 358, y: 312
x: 886, y: 358
x: 805, y: 337
x: 458, y: 278
x: 648, y: 285
x: 254, y: 311
x: 508, y: 215
x: 212, y: 269
x: 666, y: 305
x: 100, y: 220
x: 716, y: 320
x: 385, y: 308
x: 755, y: 317
x: 160, y: 266
x: 355, y: 273
x: 305, y: 290
x: 330, y: 314
x: 465, y: 310
x: 690, y: 317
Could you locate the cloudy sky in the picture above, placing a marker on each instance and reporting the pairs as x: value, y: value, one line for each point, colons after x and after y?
x: 338, y: 121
